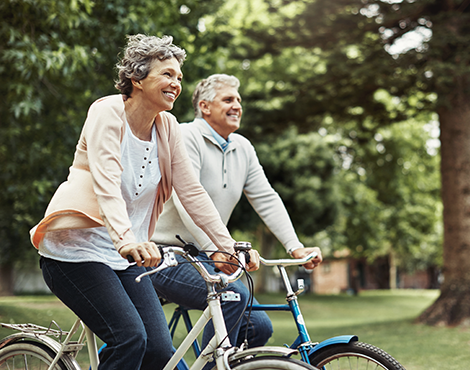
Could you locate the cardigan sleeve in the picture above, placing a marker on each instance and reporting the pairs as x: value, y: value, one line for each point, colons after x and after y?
x: 102, y: 137
x: 194, y: 198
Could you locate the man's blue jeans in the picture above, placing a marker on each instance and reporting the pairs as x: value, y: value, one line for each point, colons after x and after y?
x: 126, y: 315
x: 184, y: 286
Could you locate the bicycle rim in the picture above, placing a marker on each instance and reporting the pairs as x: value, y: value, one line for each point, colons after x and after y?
x: 271, y: 363
x: 355, y: 355
x: 27, y: 355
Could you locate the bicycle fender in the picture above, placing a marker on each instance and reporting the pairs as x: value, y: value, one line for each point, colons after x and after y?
x: 17, y: 337
x: 341, y: 339
x: 43, y: 339
x: 279, y: 351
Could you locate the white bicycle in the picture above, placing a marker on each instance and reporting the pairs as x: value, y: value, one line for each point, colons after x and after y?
x: 35, y: 347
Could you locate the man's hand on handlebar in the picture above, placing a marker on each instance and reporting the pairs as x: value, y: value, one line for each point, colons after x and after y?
x: 229, y: 268
x: 303, y: 252
x: 144, y: 254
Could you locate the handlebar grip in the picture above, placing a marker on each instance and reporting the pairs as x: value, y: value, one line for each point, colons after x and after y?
x: 247, y: 257
x: 131, y: 259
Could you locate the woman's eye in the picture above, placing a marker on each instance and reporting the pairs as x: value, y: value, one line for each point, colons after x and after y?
x: 167, y: 74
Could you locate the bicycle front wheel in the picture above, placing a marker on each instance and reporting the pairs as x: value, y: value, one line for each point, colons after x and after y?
x: 28, y: 355
x: 271, y: 363
x: 354, y: 355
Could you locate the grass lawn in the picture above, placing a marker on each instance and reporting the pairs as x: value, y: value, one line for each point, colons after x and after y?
x: 382, y: 318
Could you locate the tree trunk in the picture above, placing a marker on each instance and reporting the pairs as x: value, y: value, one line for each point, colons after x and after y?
x: 453, y: 305
x: 6, y: 280
x: 392, y: 270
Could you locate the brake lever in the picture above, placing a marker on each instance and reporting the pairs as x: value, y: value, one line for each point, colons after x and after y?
x: 169, y: 260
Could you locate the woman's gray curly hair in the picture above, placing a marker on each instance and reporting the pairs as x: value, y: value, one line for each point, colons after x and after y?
x: 140, y: 53
x: 206, y: 89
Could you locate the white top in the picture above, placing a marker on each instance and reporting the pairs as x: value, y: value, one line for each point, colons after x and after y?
x: 139, y: 180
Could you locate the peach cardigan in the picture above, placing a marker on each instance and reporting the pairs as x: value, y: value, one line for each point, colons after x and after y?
x: 91, y: 196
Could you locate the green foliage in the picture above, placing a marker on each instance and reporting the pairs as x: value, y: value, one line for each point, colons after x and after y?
x: 326, y: 66
x: 318, y: 65
x: 37, y: 65
x: 301, y: 167
x: 394, y: 202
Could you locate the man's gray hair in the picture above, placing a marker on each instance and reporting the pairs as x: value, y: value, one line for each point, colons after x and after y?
x: 206, y: 89
x: 140, y: 53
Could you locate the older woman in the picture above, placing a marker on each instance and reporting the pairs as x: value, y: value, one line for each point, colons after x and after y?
x: 128, y: 159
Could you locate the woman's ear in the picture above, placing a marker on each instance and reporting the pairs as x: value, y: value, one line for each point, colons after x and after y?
x: 137, y: 84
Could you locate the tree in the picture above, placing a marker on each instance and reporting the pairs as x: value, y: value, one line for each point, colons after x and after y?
x: 350, y: 49
x: 56, y: 58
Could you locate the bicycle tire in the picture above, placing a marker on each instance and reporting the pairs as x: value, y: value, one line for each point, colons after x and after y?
x: 271, y: 363
x: 28, y: 355
x: 355, y: 355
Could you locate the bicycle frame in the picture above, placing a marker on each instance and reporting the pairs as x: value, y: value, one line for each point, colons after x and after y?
x: 302, y: 343
x: 219, y: 346
x: 213, y: 311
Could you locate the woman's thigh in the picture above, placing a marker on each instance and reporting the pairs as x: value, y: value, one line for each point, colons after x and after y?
x: 110, y: 303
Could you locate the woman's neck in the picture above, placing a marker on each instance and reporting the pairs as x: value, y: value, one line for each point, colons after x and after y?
x: 140, y: 119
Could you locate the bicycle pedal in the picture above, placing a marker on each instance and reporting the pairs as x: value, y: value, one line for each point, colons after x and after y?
x: 230, y: 297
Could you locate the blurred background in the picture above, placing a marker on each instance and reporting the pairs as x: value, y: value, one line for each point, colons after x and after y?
x: 358, y: 109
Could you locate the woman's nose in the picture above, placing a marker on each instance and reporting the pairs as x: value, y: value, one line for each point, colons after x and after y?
x: 175, y: 81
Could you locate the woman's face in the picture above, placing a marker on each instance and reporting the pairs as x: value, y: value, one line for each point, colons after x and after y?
x: 162, y: 85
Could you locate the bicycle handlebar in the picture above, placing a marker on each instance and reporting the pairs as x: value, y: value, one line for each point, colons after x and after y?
x: 288, y: 262
x: 169, y: 260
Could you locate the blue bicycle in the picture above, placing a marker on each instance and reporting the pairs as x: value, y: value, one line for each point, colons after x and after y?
x: 339, y: 353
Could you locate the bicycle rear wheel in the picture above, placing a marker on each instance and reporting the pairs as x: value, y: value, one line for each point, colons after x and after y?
x: 354, y: 355
x: 28, y: 355
x: 271, y: 363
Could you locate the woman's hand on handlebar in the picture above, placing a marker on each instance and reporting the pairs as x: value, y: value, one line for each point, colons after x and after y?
x: 304, y: 252
x: 230, y: 268
x: 144, y: 254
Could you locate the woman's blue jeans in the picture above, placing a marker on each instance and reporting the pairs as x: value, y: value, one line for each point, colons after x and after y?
x: 183, y: 285
x: 124, y: 314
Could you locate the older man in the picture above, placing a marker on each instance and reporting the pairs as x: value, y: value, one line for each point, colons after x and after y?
x: 227, y: 166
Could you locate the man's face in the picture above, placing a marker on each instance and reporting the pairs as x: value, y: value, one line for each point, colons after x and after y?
x: 225, y: 112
